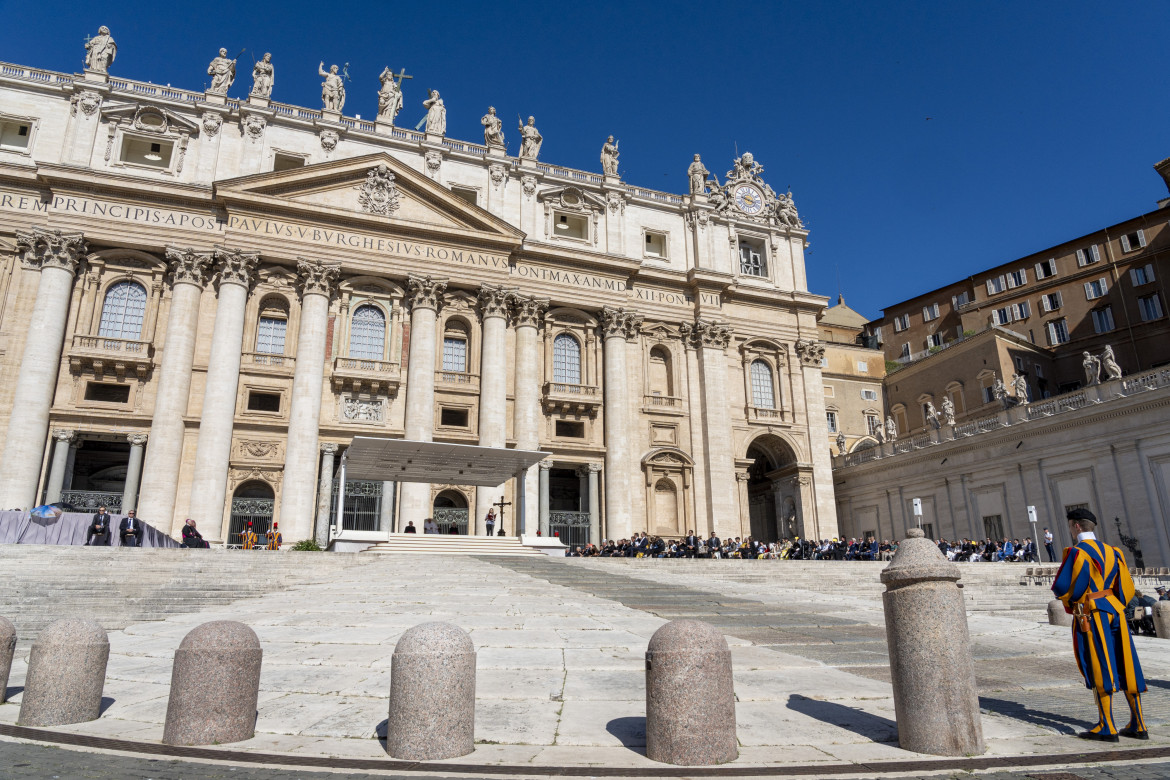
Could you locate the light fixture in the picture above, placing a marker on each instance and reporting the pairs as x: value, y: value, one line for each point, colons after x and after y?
x: 153, y: 155
x: 562, y: 226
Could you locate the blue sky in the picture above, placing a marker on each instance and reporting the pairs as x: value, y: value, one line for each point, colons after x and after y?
x: 922, y: 141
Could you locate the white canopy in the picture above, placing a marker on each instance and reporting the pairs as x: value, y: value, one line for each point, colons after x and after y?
x: 402, y: 460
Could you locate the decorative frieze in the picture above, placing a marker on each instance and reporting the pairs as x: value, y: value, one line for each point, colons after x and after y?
x: 187, y: 265
x: 359, y: 410
x: 317, y: 277
x: 268, y: 450
x: 235, y: 267
x: 425, y: 292
x: 40, y: 248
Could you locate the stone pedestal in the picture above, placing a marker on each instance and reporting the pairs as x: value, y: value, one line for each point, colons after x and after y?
x: 1161, y: 625
x: 1058, y: 617
x: 215, y: 98
x: 215, y: 682
x: 259, y: 101
x: 7, y: 649
x: 930, y: 653
x: 432, y: 694
x: 690, y: 698
x: 66, y: 674
x: 383, y: 127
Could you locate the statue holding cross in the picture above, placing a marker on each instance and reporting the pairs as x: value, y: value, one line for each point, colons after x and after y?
x: 390, y: 95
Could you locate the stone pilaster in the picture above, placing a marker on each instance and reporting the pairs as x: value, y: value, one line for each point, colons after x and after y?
x: 317, y: 279
x: 56, y: 256
x: 493, y: 386
x: 818, y: 510
x: 711, y: 340
x: 618, y: 475
x: 133, y: 471
x: 167, y: 429
x: 594, y: 504
x: 544, y: 466
x: 527, y: 316
x: 62, y: 439
x: 325, y: 494
x: 424, y: 298
x: 209, y: 483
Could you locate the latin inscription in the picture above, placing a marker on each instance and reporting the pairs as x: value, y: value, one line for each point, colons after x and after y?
x: 145, y: 215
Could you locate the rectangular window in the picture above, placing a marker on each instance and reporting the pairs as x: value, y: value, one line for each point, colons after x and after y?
x: 831, y: 417
x: 466, y: 194
x: 751, y: 258
x: 1142, y: 275
x: 1016, y: 278
x: 930, y: 312
x: 14, y: 135
x: 107, y: 393
x: 1021, y: 311
x: 655, y: 244
x: 455, y: 354
x: 1046, y: 269
x: 934, y: 340
x: 901, y: 322
x: 995, y: 285
x: 1018, y: 362
x: 1001, y: 316
x: 567, y: 429
x: 287, y: 162
x: 453, y: 418
x: 1057, y: 332
x: 962, y: 299
x: 144, y: 151
x: 1103, y: 319
x: 1088, y: 255
x: 1131, y: 242
x: 270, y: 335
x: 869, y: 394
x: 263, y: 402
x: 863, y: 366
x: 1150, y: 307
x: 830, y: 392
x: 905, y: 350
x: 571, y: 226
x: 988, y: 394
x: 1050, y: 302
x: 872, y: 424
x: 1096, y: 289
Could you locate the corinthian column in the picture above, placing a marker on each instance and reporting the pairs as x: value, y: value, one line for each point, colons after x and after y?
x: 493, y: 387
x: 526, y: 316
x: 62, y: 439
x: 55, y: 255
x: 425, y: 298
x: 209, y: 484
x: 300, y: 461
x: 711, y: 340
x: 167, y: 429
x: 133, y: 470
x: 618, y: 478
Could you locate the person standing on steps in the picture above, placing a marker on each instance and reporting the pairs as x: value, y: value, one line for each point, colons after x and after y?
x: 1048, y: 546
x: 273, y: 538
x: 248, y: 537
x: 490, y: 521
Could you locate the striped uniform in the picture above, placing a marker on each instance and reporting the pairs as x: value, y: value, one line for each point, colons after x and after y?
x: 274, y: 540
x: 249, y: 539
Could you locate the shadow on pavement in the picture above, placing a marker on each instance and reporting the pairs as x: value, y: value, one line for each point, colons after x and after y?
x: 853, y: 719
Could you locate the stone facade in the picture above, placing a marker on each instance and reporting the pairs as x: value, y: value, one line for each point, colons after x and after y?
x: 853, y: 370
x: 208, y: 298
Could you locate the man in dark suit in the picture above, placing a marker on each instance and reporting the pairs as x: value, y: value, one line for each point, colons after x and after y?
x: 130, y: 529
x: 692, y: 544
x: 99, y: 530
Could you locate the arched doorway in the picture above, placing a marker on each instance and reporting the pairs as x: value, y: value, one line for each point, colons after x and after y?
x: 253, y: 501
x: 772, y: 490
x: 450, y: 511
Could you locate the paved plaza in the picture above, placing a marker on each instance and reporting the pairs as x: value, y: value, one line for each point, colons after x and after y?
x: 561, y: 670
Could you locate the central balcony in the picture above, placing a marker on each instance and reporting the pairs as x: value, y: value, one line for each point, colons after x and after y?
x: 361, y: 375
x: 458, y: 382
x: 563, y: 398
x: 102, y: 355
x: 267, y: 364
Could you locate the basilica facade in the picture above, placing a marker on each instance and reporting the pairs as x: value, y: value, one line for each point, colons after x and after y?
x: 204, y: 299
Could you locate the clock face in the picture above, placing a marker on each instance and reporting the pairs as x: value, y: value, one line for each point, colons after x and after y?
x: 749, y: 199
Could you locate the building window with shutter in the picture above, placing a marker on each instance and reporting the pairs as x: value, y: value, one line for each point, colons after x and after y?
x: 873, y: 424
x: 1103, y: 319
x: 995, y: 285
x: 901, y: 322
x: 367, y: 333
x: 1016, y: 278
x: 1050, y: 302
x: 762, y: 395
x: 1142, y: 275
x: 455, y: 347
x: 930, y: 312
x: 1057, y: 332
x: 566, y: 360
x: 1131, y: 242
x: 1046, y: 269
x: 831, y: 418
x: 1088, y: 255
x: 1150, y: 307
x: 123, y: 311
x: 905, y: 350
x: 1096, y: 289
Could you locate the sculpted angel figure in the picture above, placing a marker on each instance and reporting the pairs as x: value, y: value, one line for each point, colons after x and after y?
x: 263, y: 76
x: 698, y: 173
x: 493, y: 129
x: 389, y: 97
x: 436, y: 114
x: 100, y: 51
x: 222, y: 72
x: 1109, y: 363
x: 609, y: 157
x: 530, y: 140
x: 332, y: 89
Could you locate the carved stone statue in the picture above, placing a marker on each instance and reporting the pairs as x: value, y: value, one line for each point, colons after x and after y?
x: 999, y: 391
x: 530, y: 140
x: 389, y: 97
x: 948, y: 410
x: 263, y: 77
x: 436, y: 114
x: 891, y: 428
x: 332, y: 89
x: 840, y: 444
x: 697, y: 173
x: 609, y: 157
x: 932, y: 415
x: 100, y: 51
x: 1092, y: 368
x: 493, y: 129
x: 786, y: 211
x: 1020, y: 388
x: 222, y: 72
x: 1109, y: 363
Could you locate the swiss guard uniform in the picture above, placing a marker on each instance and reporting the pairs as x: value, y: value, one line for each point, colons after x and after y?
x: 1094, y: 584
x: 273, y: 537
x: 248, y: 537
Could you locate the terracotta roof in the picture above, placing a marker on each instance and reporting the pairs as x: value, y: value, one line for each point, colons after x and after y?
x: 842, y: 316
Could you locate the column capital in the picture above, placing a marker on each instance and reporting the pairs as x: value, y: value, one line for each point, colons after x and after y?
x: 593, y: 468
x: 328, y: 448
x: 527, y: 310
x: 811, y: 352
x: 45, y: 248
x: 137, y: 439
x: 64, y: 434
x: 494, y: 300
x: 704, y: 333
x: 317, y: 277
x: 634, y: 325
x: 188, y: 266
x: 742, y: 476
x: 425, y: 292
x: 235, y: 267
x: 545, y: 465
x: 615, y: 322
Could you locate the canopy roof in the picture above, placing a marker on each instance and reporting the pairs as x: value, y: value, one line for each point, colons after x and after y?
x: 402, y: 460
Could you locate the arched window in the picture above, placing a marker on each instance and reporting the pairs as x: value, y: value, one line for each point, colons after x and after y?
x: 455, y: 347
x: 661, y: 380
x: 123, y: 310
x: 762, y: 395
x: 367, y: 333
x: 566, y: 360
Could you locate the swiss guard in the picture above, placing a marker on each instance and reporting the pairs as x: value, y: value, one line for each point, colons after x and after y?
x: 248, y: 537
x: 273, y: 537
x: 1094, y: 584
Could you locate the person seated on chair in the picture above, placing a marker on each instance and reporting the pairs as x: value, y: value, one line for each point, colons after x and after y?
x: 130, y: 529
x: 430, y: 526
x: 98, y: 533
x: 410, y: 529
x: 192, y: 538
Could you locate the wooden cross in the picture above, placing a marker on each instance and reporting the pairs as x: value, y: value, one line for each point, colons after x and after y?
x: 501, y: 504
x: 400, y: 76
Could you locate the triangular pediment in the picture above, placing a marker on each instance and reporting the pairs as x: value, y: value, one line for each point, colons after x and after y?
x: 375, y: 188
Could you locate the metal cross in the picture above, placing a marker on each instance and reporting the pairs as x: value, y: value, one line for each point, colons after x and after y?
x: 400, y: 76
x: 501, y: 504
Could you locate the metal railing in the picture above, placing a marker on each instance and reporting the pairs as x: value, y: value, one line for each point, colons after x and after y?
x: 90, y: 500
x: 572, y: 528
x: 447, y: 518
x: 363, y: 504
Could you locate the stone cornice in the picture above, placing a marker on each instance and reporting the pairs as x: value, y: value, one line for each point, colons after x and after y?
x: 40, y: 248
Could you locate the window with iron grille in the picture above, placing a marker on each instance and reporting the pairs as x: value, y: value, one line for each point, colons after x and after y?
x: 367, y: 333
x: 762, y: 396
x: 123, y: 311
x: 270, y: 335
x: 566, y: 360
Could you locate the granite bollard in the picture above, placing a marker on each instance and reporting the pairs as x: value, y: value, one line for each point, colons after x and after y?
x: 66, y: 674
x: 1056, y: 614
x: 1161, y: 620
x: 690, y: 696
x: 215, y: 683
x: 7, y: 649
x: 933, y: 675
x: 432, y: 694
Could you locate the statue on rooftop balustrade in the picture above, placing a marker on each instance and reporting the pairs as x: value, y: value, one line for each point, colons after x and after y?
x: 530, y: 140
x: 1109, y: 364
x: 948, y: 410
x: 891, y: 428
x: 223, y: 73
x: 609, y: 157
x: 697, y: 173
x: 263, y: 77
x: 1020, y: 388
x: 100, y: 51
x: 1092, y: 368
x: 389, y: 96
x: 493, y: 129
x: 332, y: 89
x: 436, y: 114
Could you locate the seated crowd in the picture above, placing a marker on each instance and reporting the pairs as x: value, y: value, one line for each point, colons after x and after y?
x: 989, y: 550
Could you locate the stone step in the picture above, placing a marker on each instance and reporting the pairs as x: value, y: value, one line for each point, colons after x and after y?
x: 439, y: 544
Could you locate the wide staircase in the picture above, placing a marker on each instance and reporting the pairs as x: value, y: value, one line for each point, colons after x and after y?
x: 443, y: 544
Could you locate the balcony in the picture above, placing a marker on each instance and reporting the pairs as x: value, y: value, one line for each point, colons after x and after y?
x: 759, y: 414
x: 562, y: 398
x: 360, y: 375
x: 102, y: 355
x: 267, y: 364
x: 458, y: 382
x: 662, y: 404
